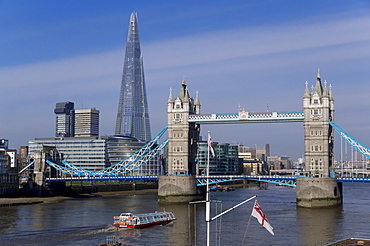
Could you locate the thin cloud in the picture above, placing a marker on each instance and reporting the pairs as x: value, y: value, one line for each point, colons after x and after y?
x: 226, y: 45
x: 74, y: 68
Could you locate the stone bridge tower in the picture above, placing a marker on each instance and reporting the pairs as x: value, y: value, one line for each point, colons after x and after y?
x: 182, y: 135
x: 319, y: 188
x: 42, y: 170
x: 318, y: 109
x: 179, y: 185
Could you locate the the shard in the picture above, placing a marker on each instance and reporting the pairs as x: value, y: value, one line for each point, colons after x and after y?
x: 133, y: 115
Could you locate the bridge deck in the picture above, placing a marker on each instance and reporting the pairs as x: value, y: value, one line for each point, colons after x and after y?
x: 201, y: 180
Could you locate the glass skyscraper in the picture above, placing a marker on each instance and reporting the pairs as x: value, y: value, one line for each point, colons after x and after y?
x: 133, y: 115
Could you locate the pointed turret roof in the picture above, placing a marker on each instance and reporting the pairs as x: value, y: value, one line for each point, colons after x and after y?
x: 170, y: 99
x: 318, y: 87
x: 306, y: 91
x: 197, y: 102
x: 325, y: 91
x: 184, y: 94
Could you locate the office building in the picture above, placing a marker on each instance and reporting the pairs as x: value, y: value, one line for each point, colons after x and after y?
x: 86, y: 123
x: 133, y: 115
x: 86, y: 152
x: 225, y: 161
x: 64, y: 112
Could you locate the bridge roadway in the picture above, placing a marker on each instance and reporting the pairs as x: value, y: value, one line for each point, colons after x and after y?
x: 202, y: 180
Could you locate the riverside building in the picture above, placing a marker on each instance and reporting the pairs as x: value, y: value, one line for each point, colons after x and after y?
x: 86, y: 152
x: 8, y: 169
x: 224, y: 162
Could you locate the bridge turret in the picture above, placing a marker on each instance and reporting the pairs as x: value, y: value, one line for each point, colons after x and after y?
x: 180, y: 183
x: 319, y: 188
x: 318, y: 110
x: 182, y: 135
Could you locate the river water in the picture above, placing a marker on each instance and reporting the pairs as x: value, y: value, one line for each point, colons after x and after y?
x: 87, y: 221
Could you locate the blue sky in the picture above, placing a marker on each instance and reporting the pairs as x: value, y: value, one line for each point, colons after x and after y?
x: 247, y: 53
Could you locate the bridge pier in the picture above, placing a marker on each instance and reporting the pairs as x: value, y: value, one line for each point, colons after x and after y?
x: 318, y: 192
x: 178, y: 189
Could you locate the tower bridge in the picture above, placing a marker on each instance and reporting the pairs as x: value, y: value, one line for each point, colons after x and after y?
x: 184, y: 120
x: 319, y: 187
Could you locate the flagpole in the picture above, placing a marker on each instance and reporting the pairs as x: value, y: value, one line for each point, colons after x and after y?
x: 208, y: 202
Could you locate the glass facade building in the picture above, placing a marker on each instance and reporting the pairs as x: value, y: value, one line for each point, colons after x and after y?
x: 224, y: 162
x: 133, y: 115
x: 64, y: 112
x: 88, y: 153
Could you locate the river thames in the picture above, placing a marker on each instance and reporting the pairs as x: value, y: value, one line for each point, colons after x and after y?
x: 88, y: 221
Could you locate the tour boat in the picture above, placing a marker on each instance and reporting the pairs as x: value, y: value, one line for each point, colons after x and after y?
x: 129, y: 220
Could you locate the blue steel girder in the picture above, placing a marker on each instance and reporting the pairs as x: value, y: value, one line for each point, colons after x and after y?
x: 147, y: 150
x: 139, y: 158
x: 353, y: 142
x: 202, y: 182
x: 152, y: 178
x: 26, y: 167
x: 279, y: 180
x: 66, y: 169
x: 283, y: 182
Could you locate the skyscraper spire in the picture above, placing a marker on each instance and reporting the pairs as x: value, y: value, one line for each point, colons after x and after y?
x: 133, y: 115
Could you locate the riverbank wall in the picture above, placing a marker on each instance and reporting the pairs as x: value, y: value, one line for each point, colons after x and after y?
x: 61, y: 189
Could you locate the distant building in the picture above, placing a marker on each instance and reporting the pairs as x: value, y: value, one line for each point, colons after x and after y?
x: 86, y: 123
x: 71, y: 122
x: 23, y: 159
x: 280, y: 162
x: 86, y: 152
x: 8, y: 169
x: 254, y: 159
x: 64, y: 112
x: 225, y: 161
x: 251, y: 166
